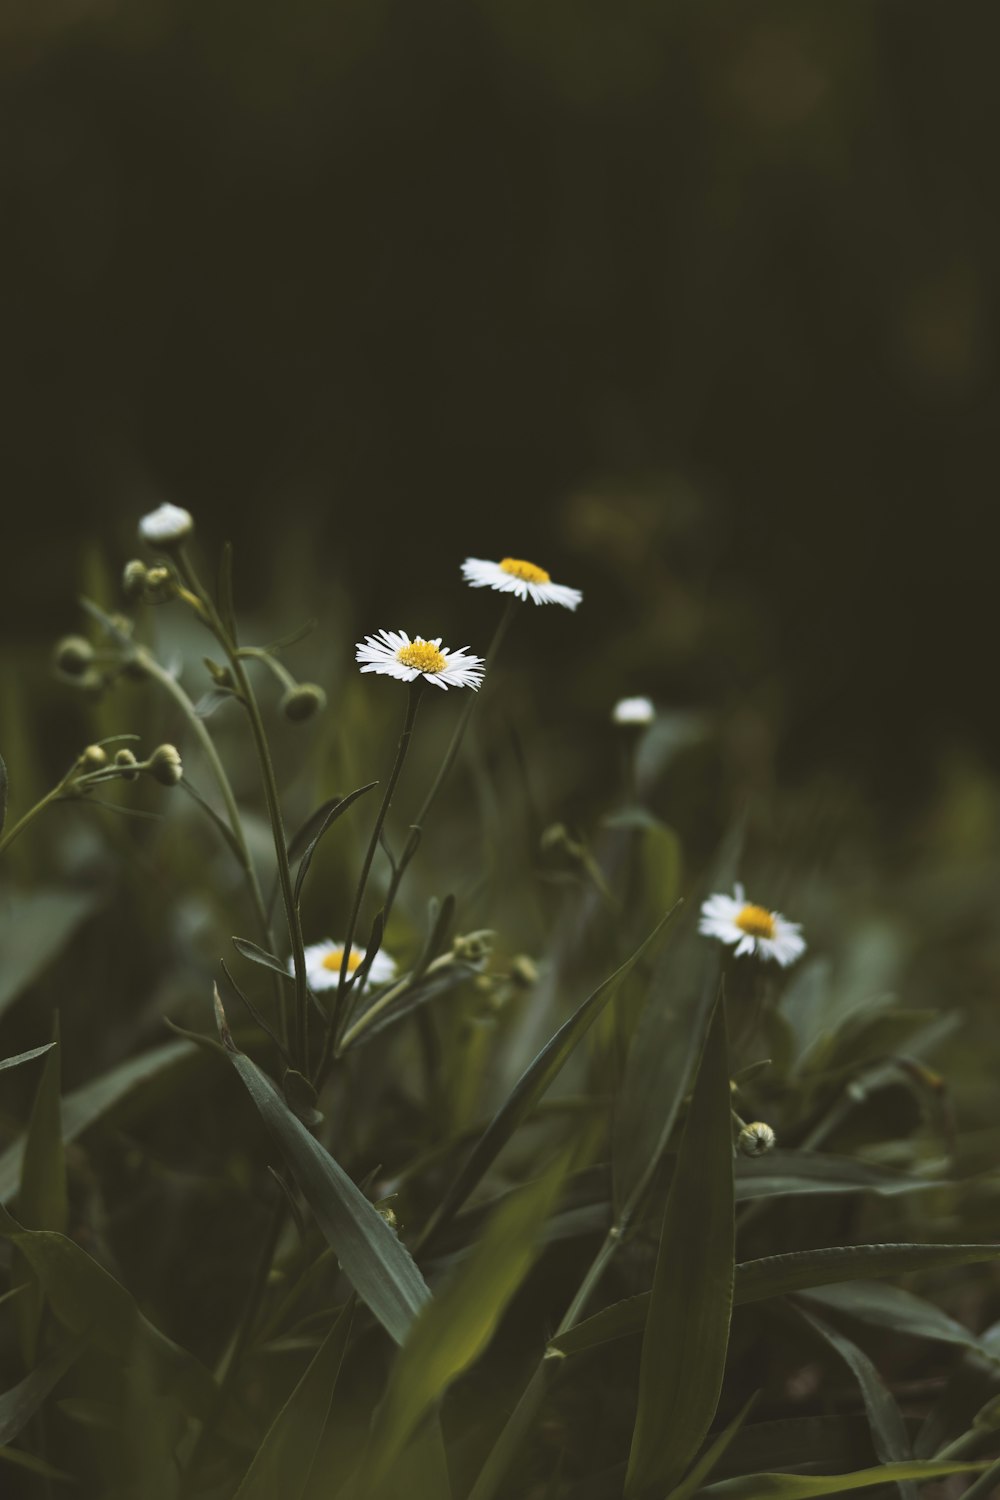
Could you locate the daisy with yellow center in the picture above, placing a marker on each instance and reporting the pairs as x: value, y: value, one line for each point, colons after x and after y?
x: 323, y: 961
x: 393, y: 654
x: 513, y: 575
x: 751, y: 929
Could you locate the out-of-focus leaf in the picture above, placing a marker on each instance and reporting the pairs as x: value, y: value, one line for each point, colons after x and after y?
x: 777, y: 1275
x: 331, y: 812
x: 34, y: 1465
x: 888, y: 1430
x: 3, y: 793
x: 92, y: 1304
x: 220, y: 823
x: 284, y: 1460
x: 34, y: 928
x: 902, y: 1312
x: 372, y: 1257
x: 667, y: 1042
x: 41, y: 1201
x: 224, y: 591
x: 23, y: 1057
x: 814, y: 1486
x: 86, y: 1105
x: 454, y: 1330
x: 986, y: 1486
x: 782, y: 1173
x: 532, y: 1084
x: 19, y: 1404
x: 260, y: 956
x: 687, y: 1326
x: 701, y: 1469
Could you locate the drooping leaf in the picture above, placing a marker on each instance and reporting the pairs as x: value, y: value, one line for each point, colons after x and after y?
x: 532, y: 1084
x: 258, y: 955
x: 284, y: 1460
x: 23, y: 1057
x: 86, y: 1105
x: 687, y: 1327
x: 372, y: 1257
x: 889, y: 1436
x: 777, y: 1275
x: 19, y: 1404
x: 35, y: 926
x: 453, y: 1330
x: 783, y: 1173
x: 900, y: 1311
x: 814, y: 1486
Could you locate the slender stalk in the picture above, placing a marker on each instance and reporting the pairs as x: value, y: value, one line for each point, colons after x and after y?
x: 412, y: 704
x: 171, y: 686
x: 230, y: 647
x: 32, y: 813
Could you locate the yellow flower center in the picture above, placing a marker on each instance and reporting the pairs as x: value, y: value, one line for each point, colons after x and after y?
x: 423, y: 656
x: 756, y: 922
x: 526, y: 571
x: 335, y: 958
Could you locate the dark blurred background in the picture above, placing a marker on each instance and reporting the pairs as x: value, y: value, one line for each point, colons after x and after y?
x: 694, y: 304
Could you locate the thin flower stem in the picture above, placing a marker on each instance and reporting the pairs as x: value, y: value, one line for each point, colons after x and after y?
x: 412, y: 704
x: 230, y: 647
x: 450, y: 757
x: 32, y: 813
x: 180, y: 697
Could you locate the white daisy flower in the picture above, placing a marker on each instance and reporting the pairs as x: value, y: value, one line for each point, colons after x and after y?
x: 167, y: 524
x: 393, y: 654
x: 633, y: 711
x: 323, y: 961
x: 511, y: 575
x: 752, y: 929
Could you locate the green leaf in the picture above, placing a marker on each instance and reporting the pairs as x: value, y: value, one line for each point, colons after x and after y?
x: 711, y: 1456
x: 776, y: 1275
x: 19, y: 1404
x: 784, y: 1173
x: 284, y: 1460
x: 91, y: 1303
x: 453, y: 1331
x: 687, y: 1328
x: 986, y: 1486
x: 888, y: 1430
x: 372, y: 1257
x: 901, y: 1311
x: 88, y: 1104
x: 34, y: 1465
x: 318, y: 826
x: 224, y: 592
x: 260, y: 956
x: 3, y: 793
x: 223, y: 827
x: 813, y: 1486
x: 23, y: 1057
x: 532, y: 1084
x: 42, y: 1201
x: 34, y: 928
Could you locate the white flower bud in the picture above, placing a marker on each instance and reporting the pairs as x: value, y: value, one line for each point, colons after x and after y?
x: 633, y: 711
x: 94, y: 758
x: 165, y: 765
x: 166, y: 526
x: 755, y: 1139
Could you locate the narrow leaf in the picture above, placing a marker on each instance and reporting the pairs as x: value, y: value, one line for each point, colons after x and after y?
x: 889, y: 1437
x: 781, y: 1173
x: 711, y: 1456
x: 23, y: 1057
x: 224, y: 592
x: 371, y: 1256
x: 220, y: 823
x: 532, y: 1084
x: 42, y: 1200
x: 19, y: 1404
x: 335, y: 811
x: 3, y: 793
x: 452, y: 1331
x: 894, y: 1308
x: 776, y: 1275
x: 814, y: 1486
x: 687, y: 1329
x: 284, y: 1460
x: 260, y: 956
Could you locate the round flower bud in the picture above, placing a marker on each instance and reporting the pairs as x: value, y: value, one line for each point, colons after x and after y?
x: 301, y: 702
x: 166, y: 526
x: 165, y: 765
x: 755, y: 1139
x: 94, y: 758
x: 523, y: 970
x: 134, y: 579
x: 127, y: 763
x: 160, y: 585
x: 74, y: 655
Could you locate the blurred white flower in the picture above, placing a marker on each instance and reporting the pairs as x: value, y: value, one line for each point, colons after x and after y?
x: 752, y: 929
x: 511, y: 575
x: 393, y: 654
x: 169, y: 523
x: 633, y: 711
x: 323, y: 961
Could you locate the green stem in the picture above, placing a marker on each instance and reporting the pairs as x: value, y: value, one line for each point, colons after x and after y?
x: 30, y: 816
x: 270, y: 784
x: 412, y: 704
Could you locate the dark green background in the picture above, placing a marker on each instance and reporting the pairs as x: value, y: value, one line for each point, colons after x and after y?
x: 693, y: 303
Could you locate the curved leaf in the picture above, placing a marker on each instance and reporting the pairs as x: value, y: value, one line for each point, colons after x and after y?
x: 814, y: 1486
x: 23, y: 1057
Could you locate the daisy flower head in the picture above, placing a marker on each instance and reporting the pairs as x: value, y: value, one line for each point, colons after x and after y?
x: 166, y: 525
x: 512, y: 575
x: 393, y: 654
x: 323, y: 961
x: 633, y: 711
x: 751, y: 929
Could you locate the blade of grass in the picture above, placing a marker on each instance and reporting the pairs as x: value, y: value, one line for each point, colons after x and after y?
x: 814, y: 1486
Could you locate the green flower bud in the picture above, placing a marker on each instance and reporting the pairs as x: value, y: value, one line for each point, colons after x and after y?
x: 755, y: 1139
x: 165, y: 765
x: 134, y: 579
x: 74, y: 654
x: 94, y: 758
x: 524, y: 970
x: 302, y: 702
x: 128, y: 764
